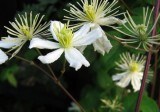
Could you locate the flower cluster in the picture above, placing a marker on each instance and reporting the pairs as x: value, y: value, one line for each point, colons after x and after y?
x: 72, y: 39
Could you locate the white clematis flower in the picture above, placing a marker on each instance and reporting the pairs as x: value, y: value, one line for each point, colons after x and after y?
x: 132, y: 71
x: 24, y: 29
x: 67, y: 41
x: 95, y: 13
x: 3, y: 57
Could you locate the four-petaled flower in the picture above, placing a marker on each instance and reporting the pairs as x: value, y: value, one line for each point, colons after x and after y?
x: 132, y: 67
x: 24, y: 28
x: 67, y: 41
x: 96, y: 13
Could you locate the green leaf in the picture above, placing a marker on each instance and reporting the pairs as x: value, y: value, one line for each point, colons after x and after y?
x: 12, y: 80
x: 8, y: 74
x: 104, y: 80
x: 91, y: 98
x: 149, y: 1
x: 148, y: 105
x: 129, y: 102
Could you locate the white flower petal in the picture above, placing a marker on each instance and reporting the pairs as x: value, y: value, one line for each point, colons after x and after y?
x: 75, y: 58
x: 51, y: 57
x: 3, y: 57
x: 43, y: 44
x: 136, y: 82
x: 55, y: 26
x: 102, y: 45
x: 82, y: 31
x: 110, y: 20
x: 89, y: 38
x: 140, y: 75
x: 123, y: 67
x: 124, y: 81
x: 119, y: 76
x: 9, y: 42
x: 81, y: 48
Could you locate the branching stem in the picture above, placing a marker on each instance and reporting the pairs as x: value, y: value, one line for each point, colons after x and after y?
x: 53, y: 77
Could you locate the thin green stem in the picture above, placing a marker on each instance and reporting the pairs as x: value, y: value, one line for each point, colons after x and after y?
x: 63, y: 69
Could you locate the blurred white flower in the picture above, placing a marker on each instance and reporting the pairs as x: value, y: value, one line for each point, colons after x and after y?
x: 3, y: 57
x: 113, y: 105
x: 66, y: 42
x: 74, y: 108
x: 95, y: 13
x: 132, y: 67
x: 139, y: 34
x: 24, y: 28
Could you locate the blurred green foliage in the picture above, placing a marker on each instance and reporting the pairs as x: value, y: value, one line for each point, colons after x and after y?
x: 8, y: 74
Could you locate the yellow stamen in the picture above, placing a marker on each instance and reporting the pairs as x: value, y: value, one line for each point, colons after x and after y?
x: 134, y: 67
x: 25, y: 30
x: 65, y: 36
x: 90, y: 12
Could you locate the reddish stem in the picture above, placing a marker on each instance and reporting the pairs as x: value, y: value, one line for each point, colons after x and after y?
x: 155, y: 75
x: 146, y: 69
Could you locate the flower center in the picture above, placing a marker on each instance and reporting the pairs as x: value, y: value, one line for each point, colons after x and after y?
x: 26, y: 32
x: 65, y: 36
x: 134, y: 67
x: 141, y: 29
x: 90, y: 11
